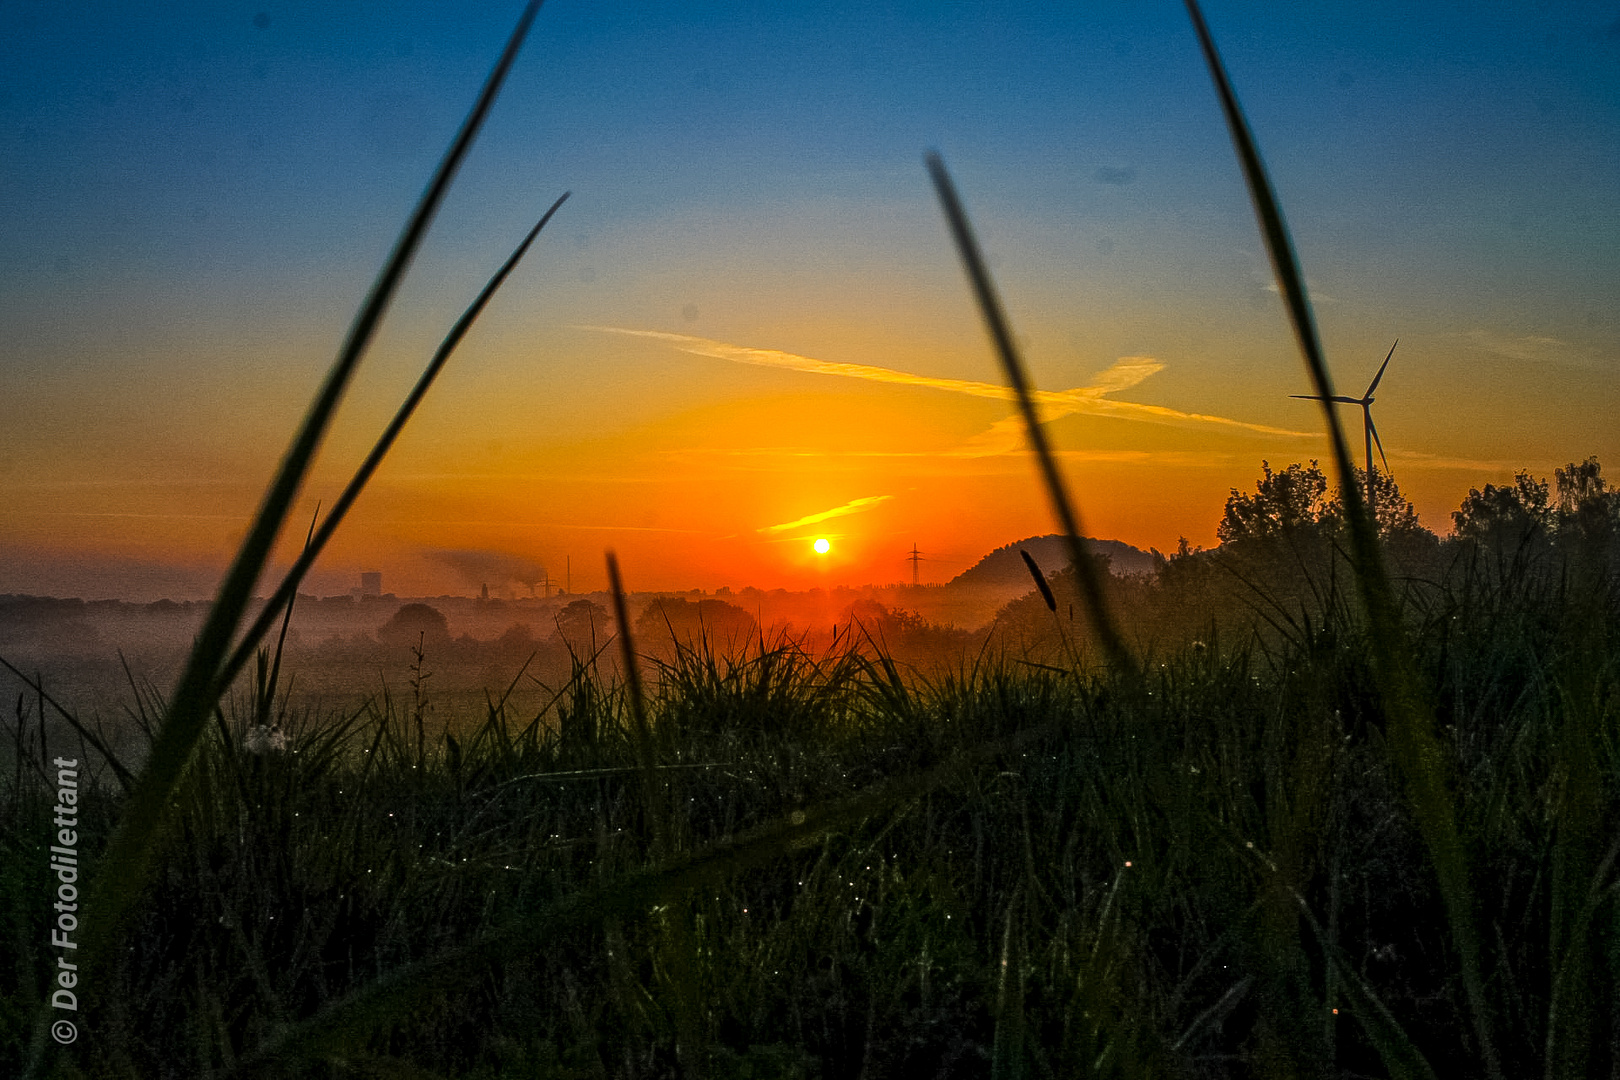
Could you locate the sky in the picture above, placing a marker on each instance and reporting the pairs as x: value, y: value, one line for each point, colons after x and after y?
x: 747, y: 328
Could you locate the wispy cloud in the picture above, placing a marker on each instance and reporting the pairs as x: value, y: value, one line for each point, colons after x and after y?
x: 1317, y: 295
x: 155, y: 517
x: 743, y: 354
x: 769, y: 457
x: 854, y: 506
x: 1519, y: 346
x: 1532, y: 348
x: 504, y: 523
x: 1418, y: 460
x: 148, y: 482
x: 1005, y: 436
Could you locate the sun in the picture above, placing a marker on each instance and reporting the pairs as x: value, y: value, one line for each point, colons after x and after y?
x: 821, y: 545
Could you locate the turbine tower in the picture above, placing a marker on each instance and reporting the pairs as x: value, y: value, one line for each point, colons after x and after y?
x: 1370, y: 431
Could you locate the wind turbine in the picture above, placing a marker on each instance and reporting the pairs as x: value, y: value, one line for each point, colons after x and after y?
x: 1370, y: 430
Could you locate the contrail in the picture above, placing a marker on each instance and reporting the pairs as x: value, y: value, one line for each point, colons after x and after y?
x: 1004, y: 436
x: 854, y: 506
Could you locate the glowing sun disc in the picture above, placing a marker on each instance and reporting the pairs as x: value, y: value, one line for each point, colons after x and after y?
x: 821, y: 546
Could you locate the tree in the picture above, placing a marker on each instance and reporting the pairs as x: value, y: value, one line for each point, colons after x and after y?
x: 1581, y: 486
x: 1405, y: 539
x: 1585, y: 502
x: 1587, y: 518
x: 1284, y: 503
x: 582, y: 626
x: 413, y: 624
x: 1504, y: 519
x: 673, y: 620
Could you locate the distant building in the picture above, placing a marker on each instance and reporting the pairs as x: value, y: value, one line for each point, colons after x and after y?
x: 371, y: 583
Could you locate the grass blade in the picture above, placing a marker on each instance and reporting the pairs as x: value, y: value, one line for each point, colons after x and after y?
x: 288, y: 589
x: 1280, y: 247
x: 267, y: 691
x: 1396, y: 1049
x: 1012, y: 365
x: 126, y: 779
x: 656, y: 808
x: 1412, y: 735
x: 127, y: 861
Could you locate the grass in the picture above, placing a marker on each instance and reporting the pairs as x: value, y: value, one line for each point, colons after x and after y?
x: 861, y: 872
x: 1351, y: 845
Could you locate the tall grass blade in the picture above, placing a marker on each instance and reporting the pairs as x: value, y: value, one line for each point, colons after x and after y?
x: 1395, y: 1047
x: 288, y: 589
x: 127, y: 861
x: 267, y: 688
x: 1412, y: 736
x: 1085, y: 570
x: 126, y: 779
x: 638, y: 710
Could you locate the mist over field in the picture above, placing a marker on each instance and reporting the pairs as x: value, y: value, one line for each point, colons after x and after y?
x: 346, y: 647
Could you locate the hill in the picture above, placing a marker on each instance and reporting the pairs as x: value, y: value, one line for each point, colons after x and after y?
x: 1004, y: 568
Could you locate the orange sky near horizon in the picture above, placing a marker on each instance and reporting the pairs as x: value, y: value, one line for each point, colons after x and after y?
x: 748, y: 327
x: 707, y: 492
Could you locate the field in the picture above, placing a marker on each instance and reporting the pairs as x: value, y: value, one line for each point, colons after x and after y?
x: 1335, y: 798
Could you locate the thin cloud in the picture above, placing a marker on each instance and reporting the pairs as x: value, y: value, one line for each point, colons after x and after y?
x: 770, y: 455
x: 507, y: 524
x: 1418, y: 460
x: 155, y: 517
x: 742, y: 354
x: 854, y: 506
x: 1317, y: 296
x: 1533, y: 348
x: 148, y: 482
x: 1495, y: 346
x: 1005, y: 435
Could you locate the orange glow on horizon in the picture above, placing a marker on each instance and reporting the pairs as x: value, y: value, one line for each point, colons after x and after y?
x: 714, y: 478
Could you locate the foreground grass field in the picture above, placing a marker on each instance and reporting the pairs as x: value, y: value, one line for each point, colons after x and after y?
x: 1210, y: 872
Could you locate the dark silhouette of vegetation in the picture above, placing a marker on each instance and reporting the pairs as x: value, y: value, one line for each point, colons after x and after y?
x: 414, y: 623
x: 668, y: 622
x: 583, y: 627
x: 1285, y: 504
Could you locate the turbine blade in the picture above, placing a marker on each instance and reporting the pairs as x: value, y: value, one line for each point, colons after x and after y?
x: 1309, y: 397
x: 1372, y: 427
x: 1380, y: 374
